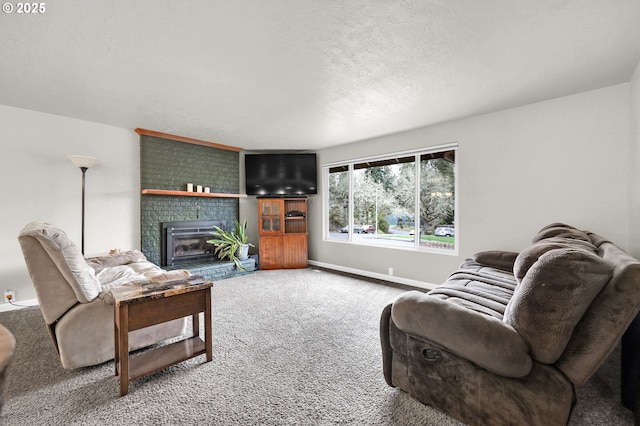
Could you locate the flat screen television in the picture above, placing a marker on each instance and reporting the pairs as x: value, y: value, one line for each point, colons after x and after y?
x: 280, y: 174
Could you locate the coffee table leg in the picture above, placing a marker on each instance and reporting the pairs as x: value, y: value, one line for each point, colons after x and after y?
x: 123, y: 346
x: 116, y: 342
x: 207, y: 325
x: 195, y: 321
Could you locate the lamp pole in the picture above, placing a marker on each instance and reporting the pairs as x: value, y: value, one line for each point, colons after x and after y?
x: 84, y: 171
x: 83, y: 163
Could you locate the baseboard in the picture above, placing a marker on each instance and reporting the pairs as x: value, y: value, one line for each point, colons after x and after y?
x: 18, y: 305
x: 375, y: 275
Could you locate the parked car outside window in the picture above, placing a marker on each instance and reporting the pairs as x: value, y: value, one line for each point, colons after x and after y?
x: 357, y: 229
x: 444, y: 231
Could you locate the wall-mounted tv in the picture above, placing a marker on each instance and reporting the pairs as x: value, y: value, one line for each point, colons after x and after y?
x: 280, y: 174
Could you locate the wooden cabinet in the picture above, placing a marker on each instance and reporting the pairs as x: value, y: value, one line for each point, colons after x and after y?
x: 283, y: 233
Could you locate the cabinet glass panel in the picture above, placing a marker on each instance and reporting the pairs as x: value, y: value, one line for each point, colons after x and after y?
x: 270, y: 224
x: 270, y: 209
x: 270, y: 216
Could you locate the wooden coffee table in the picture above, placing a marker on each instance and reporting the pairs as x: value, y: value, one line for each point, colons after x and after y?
x: 139, y: 305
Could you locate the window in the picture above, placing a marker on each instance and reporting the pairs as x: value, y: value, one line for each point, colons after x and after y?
x: 389, y: 201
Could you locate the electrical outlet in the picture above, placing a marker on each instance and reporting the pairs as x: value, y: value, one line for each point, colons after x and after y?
x: 390, y: 271
x: 9, y: 295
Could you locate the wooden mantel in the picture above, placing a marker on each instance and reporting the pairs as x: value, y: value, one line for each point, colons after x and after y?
x: 191, y: 194
x: 187, y: 140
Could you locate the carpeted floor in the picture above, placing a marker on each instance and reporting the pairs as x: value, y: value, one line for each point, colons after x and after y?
x: 290, y: 347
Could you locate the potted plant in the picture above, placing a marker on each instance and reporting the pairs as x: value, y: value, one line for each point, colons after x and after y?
x: 233, y: 245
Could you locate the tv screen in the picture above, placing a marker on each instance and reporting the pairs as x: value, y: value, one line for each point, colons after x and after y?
x: 280, y: 174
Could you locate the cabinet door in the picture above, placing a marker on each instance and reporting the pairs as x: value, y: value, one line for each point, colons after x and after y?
x: 270, y: 216
x: 271, y: 252
x: 295, y: 251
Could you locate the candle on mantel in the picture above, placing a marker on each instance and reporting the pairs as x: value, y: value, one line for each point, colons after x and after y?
x: 207, y: 190
x: 189, y: 187
x: 199, y: 188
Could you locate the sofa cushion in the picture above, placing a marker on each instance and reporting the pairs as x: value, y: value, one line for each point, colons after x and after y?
x: 67, y: 258
x: 553, y: 295
x: 477, y: 287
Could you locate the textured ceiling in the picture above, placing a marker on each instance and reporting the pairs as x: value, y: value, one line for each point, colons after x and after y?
x: 307, y: 74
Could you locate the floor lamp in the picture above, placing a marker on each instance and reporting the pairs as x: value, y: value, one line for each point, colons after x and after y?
x: 84, y: 163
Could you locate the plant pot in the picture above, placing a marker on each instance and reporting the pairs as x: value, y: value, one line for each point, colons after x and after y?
x: 243, y: 252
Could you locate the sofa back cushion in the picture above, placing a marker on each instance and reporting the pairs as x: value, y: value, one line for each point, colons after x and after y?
x: 557, y: 281
x: 66, y: 257
x: 527, y: 257
x: 561, y: 230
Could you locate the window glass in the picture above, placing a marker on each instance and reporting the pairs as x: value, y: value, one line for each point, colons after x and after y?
x: 384, y: 201
x: 339, y: 202
x: 437, y: 200
x: 374, y: 202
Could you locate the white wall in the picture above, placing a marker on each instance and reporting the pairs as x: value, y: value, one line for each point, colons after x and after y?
x: 568, y: 159
x: 519, y: 169
x: 634, y: 194
x: 40, y: 183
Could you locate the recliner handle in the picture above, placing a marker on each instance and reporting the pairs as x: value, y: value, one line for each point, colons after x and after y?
x: 432, y: 355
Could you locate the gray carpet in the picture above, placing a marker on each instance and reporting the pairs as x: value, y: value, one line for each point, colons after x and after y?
x: 290, y: 347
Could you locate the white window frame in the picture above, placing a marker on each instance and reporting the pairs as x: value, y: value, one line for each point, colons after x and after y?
x: 417, y: 153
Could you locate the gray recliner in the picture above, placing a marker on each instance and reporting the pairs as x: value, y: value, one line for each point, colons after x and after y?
x: 74, y: 298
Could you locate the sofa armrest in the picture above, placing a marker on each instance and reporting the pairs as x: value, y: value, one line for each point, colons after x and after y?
x: 98, y: 263
x: 503, y: 260
x: 482, y: 339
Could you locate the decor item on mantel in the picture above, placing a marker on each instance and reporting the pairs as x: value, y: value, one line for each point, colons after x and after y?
x: 84, y: 163
x: 233, y: 245
x: 191, y: 194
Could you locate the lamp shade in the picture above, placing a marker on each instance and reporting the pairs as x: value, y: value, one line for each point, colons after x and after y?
x: 82, y: 161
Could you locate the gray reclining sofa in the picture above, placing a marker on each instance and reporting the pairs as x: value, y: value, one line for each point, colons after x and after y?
x: 509, y: 336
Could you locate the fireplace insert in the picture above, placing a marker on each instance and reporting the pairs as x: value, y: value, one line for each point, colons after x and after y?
x: 186, y: 241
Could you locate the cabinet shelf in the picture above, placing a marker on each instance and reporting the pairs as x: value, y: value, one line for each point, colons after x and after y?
x: 191, y: 194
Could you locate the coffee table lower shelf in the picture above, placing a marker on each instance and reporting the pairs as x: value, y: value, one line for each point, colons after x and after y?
x: 158, y: 359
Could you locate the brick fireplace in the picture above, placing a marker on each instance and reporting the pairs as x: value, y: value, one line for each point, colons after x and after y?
x: 169, y: 165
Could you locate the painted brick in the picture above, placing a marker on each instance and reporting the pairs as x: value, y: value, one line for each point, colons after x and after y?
x: 170, y: 165
x: 218, y: 270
